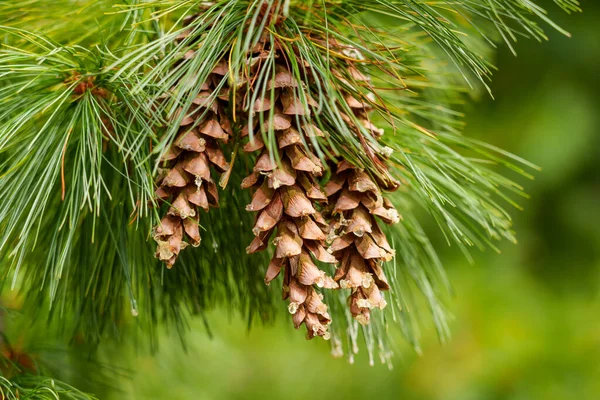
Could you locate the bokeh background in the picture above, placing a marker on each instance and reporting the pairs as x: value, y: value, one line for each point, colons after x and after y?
x: 527, y: 320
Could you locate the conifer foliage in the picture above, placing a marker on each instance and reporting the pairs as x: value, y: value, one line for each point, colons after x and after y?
x: 300, y: 139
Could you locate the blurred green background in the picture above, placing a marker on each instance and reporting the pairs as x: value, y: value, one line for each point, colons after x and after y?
x: 526, y: 321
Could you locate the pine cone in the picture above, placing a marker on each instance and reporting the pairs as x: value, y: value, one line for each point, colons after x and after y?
x: 287, y: 197
x: 187, y: 184
x: 356, y: 240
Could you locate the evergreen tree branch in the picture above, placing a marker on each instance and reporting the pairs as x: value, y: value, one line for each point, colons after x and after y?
x: 39, y: 388
x: 82, y: 131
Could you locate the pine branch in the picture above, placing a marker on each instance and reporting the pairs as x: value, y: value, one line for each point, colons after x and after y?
x: 83, y: 133
x: 39, y: 388
x: 109, y: 238
x: 28, y: 357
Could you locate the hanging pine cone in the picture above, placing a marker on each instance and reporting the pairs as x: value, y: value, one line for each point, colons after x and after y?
x: 285, y: 183
x: 188, y: 182
x: 355, y: 200
x: 287, y: 197
x: 356, y: 239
